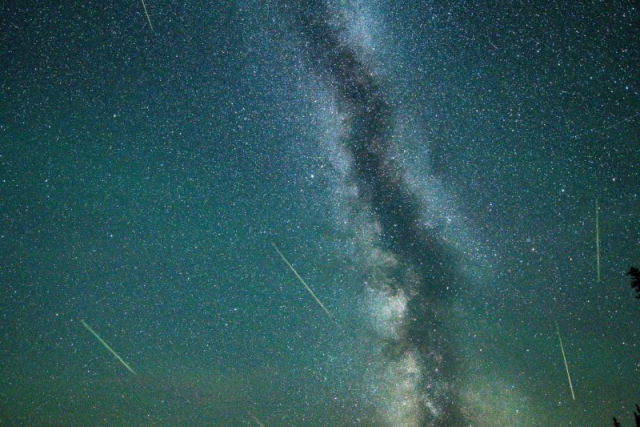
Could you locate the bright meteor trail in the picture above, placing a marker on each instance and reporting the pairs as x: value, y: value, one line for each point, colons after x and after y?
x: 597, y: 242
x: 95, y: 334
x: 301, y: 280
x: 566, y: 365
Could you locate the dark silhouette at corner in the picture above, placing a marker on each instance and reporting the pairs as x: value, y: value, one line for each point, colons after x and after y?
x: 636, y: 417
x: 635, y: 280
x: 635, y: 284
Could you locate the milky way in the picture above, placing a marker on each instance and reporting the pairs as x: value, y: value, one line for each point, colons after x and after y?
x: 414, y: 270
x: 429, y: 169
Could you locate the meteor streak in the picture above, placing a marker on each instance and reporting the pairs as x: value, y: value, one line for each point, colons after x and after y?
x: 108, y: 347
x: 147, y: 13
x: 597, y: 242
x: 301, y: 280
x: 566, y: 366
x: 256, y: 419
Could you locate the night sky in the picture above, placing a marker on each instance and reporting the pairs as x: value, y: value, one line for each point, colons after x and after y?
x: 431, y: 170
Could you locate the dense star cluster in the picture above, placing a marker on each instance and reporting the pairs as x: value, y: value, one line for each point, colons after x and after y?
x: 319, y: 213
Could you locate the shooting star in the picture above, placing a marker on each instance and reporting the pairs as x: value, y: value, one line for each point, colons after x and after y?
x: 256, y: 419
x: 301, y: 280
x: 147, y: 13
x: 597, y: 242
x: 566, y: 365
x: 108, y: 347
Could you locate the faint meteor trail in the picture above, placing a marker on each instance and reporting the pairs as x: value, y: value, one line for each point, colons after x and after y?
x: 301, y: 280
x: 257, y: 420
x: 95, y: 334
x: 147, y: 14
x: 597, y: 242
x: 566, y: 365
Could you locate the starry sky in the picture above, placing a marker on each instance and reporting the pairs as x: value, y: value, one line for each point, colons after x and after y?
x: 145, y: 173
